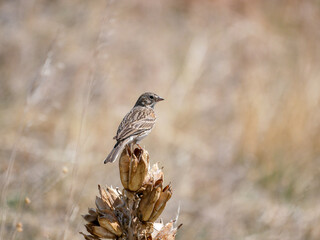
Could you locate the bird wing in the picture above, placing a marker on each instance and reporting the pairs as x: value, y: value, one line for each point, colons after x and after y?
x: 137, y: 121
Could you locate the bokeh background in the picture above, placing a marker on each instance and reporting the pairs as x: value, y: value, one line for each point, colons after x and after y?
x: 238, y: 135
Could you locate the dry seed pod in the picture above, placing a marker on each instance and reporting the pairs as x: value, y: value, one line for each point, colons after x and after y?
x: 148, y: 200
x: 91, y: 216
x: 168, y: 232
x: 165, y: 195
x: 92, y: 211
x: 89, y: 237
x: 110, y: 222
x: 117, y: 200
x: 124, y: 165
x: 133, y: 168
x: 113, y: 193
x: 130, y: 214
x: 155, y: 176
x: 99, y: 231
x: 105, y: 196
x: 138, y: 170
x: 109, y: 196
x: 101, y: 205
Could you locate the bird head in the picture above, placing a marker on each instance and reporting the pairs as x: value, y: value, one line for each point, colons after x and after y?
x: 148, y: 99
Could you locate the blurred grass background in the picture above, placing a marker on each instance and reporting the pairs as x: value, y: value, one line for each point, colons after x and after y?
x: 238, y: 134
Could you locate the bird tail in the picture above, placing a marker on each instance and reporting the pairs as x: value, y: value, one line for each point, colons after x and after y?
x: 116, y: 151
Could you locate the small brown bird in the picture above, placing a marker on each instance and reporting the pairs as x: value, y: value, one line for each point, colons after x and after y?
x: 136, y: 125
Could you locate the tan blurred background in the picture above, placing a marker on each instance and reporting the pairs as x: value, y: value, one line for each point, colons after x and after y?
x: 238, y: 134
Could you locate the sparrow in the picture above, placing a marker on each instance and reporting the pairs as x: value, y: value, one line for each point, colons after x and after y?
x: 136, y: 125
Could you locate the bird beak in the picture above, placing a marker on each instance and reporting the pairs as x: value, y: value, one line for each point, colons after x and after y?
x: 160, y: 99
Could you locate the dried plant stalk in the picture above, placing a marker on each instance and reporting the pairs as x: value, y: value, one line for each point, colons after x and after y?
x: 131, y: 213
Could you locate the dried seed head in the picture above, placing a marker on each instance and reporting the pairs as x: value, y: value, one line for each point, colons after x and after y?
x: 131, y: 213
x: 90, y: 218
x: 149, y: 198
x: 113, y: 193
x: 92, y: 215
x: 27, y: 201
x: 133, y: 168
x: 155, y: 176
x: 19, y: 227
x: 111, y: 197
x: 138, y: 170
x: 105, y: 196
x: 117, y: 200
x: 102, y: 206
x: 168, y: 232
x: 99, y: 232
x: 89, y: 237
x: 92, y: 211
x: 110, y: 222
x: 165, y: 195
x: 124, y: 165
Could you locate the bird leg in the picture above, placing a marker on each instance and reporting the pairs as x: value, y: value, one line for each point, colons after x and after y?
x: 127, y: 149
x: 131, y: 148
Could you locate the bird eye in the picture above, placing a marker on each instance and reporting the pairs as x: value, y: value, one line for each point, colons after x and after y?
x: 151, y: 97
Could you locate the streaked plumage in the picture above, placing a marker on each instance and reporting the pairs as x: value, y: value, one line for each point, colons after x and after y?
x: 136, y: 125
